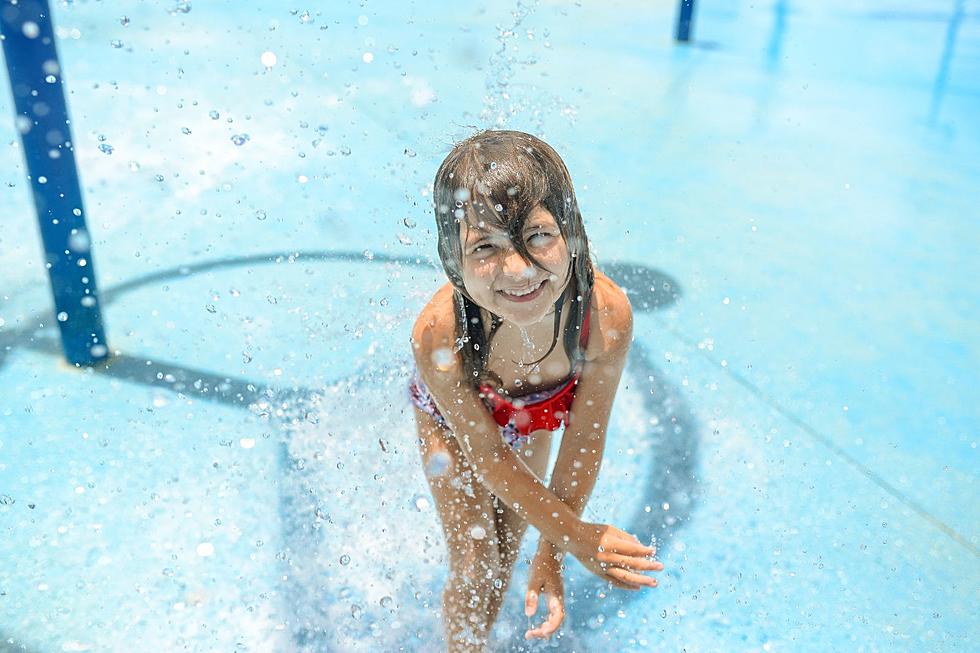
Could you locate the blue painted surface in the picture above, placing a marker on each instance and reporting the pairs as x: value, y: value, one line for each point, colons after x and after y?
x: 802, y: 402
x: 34, y: 73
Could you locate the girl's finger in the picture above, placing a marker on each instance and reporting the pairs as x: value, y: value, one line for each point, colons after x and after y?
x: 630, y: 562
x: 556, y: 613
x: 615, y: 582
x: 531, y: 603
x: 629, y: 547
x: 627, y: 576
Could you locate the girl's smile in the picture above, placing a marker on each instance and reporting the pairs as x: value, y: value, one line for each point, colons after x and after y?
x: 524, y: 295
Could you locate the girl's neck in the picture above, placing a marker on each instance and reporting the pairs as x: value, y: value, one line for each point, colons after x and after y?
x: 515, y: 341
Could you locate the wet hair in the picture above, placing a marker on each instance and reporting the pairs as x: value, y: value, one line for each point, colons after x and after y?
x: 498, y: 177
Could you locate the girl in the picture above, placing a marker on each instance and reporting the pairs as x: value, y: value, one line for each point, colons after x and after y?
x: 494, y: 382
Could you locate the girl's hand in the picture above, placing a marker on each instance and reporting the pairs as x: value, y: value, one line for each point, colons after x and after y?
x: 615, y: 556
x: 545, y: 579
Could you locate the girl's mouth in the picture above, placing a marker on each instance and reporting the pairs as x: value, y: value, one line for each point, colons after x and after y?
x: 524, y: 297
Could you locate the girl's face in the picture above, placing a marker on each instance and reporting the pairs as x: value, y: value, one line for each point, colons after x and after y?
x: 498, y: 279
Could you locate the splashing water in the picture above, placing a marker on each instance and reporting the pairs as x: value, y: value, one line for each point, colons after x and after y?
x: 504, y: 101
x: 526, y: 340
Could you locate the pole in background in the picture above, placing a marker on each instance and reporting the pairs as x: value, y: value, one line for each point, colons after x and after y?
x: 685, y: 16
x: 42, y: 121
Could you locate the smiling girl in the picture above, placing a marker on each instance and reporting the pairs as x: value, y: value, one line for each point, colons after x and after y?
x: 527, y: 336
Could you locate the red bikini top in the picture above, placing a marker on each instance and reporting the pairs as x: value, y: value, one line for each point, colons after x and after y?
x: 527, y: 414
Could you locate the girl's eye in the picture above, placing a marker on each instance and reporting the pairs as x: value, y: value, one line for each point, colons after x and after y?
x: 539, y: 238
x: 484, y: 246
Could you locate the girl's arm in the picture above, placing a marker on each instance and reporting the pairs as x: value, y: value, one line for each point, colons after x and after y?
x: 495, y: 464
x: 583, y: 442
x: 584, y: 439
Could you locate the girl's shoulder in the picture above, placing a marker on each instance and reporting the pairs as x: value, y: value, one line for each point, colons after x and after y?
x: 434, y: 332
x: 611, y: 322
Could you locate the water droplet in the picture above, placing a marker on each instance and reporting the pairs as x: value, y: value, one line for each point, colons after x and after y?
x: 79, y: 241
x: 493, y: 165
x: 478, y: 532
x: 268, y: 59
x: 404, y: 240
x: 345, y: 560
x: 211, y: 308
x: 205, y: 549
x: 116, y: 43
x: 124, y: 21
x: 408, y: 222
x: 214, y: 115
x: 356, y: 611
x: 105, y: 148
x: 240, y: 139
x: 345, y: 151
x: 30, y: 29
x: 62, y: 316
x: 421, y: 503
x: 438, y: 464
x: 386, y: 601
x: 409, y: 153
x: 443, y: 359
x: 260, y: 215
x: 7, y: 500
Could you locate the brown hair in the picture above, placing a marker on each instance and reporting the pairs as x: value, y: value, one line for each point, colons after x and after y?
x: 499, y: 176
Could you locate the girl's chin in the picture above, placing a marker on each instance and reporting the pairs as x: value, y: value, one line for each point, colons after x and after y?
x: 530, y: 316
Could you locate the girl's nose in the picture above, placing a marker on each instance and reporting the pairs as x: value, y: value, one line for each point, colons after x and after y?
x: 516, y: 266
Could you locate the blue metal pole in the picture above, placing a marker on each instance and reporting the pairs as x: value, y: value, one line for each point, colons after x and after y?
x: 685, y: 16
x: 42, y: 120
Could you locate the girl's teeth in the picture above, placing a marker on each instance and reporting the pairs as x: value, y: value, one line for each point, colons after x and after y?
x: 528, y: 292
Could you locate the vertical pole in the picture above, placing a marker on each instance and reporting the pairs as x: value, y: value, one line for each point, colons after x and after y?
x: 45, y: 133
x: 685, y: 16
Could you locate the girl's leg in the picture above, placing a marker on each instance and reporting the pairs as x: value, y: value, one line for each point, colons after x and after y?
x: 510, y: 526
x: 467, y: 514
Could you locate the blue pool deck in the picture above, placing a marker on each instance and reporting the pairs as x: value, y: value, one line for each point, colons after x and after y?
x: 792, y: 203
